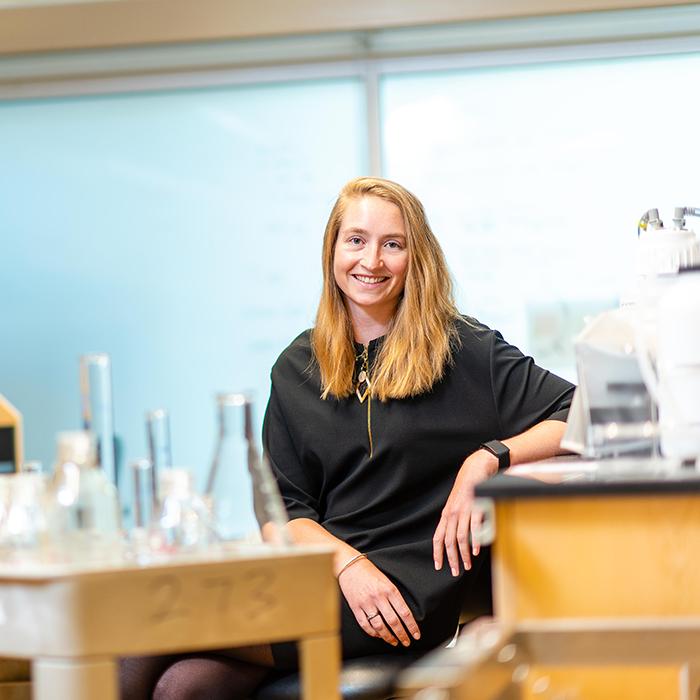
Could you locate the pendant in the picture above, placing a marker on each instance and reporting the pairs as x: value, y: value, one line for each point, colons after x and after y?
x: 363, y: 386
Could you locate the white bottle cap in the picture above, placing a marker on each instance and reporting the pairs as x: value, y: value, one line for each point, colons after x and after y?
x: 662, y: 251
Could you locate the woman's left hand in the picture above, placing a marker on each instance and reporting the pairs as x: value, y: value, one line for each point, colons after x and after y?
x: 458, y: 518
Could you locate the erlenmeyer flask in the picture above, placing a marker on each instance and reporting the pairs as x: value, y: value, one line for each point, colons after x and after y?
x: 243, y: 493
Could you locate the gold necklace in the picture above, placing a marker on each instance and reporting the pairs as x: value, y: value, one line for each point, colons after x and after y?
x: 363, y: 392
x: 363, y: 383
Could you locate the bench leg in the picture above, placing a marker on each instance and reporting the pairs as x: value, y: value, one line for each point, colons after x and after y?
x: 320, y: 668
x: 74, y: 679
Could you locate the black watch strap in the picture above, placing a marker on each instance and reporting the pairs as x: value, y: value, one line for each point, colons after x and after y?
x: 496, y: 447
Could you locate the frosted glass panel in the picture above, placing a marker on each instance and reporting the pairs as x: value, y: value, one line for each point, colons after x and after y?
x: 179, y: 232
x: 534, y: 179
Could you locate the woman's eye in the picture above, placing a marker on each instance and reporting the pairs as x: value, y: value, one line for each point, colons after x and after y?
x: 394, y: 245
x: 355, y: 240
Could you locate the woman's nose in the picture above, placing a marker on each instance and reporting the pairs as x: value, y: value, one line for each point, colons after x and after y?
x: 372, y: 259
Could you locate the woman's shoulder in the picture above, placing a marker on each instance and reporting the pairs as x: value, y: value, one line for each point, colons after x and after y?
x: 295, y: 359
x: 472, y: 333
x: 477, y: 343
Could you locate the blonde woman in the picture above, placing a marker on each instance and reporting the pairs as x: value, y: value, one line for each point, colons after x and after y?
x: 381, y: 421
x: 377, y: 419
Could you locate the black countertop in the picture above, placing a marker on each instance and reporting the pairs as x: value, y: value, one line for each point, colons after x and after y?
x: 569, y: 476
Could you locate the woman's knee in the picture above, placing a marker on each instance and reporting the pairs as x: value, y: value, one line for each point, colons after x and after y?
x: 212, y: 677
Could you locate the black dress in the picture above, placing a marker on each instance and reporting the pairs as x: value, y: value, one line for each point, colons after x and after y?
x: 388, y: 503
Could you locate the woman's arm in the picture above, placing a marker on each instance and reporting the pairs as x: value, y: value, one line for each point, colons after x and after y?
x: 366, y: 589
x: 452, y: 533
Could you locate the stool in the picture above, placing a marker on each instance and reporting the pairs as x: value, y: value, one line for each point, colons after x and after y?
x: 363, y: 678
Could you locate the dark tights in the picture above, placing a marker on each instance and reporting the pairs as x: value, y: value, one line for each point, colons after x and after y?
x: 210, y: 676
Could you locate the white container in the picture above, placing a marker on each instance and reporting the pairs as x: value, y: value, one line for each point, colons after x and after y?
x: 678, y: 367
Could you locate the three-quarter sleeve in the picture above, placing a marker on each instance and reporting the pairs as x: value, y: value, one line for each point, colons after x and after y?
x: 298, y: 488
x: 524, y: 394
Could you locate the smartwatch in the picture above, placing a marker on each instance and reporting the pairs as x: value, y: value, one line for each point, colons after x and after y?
x: 496, y: 447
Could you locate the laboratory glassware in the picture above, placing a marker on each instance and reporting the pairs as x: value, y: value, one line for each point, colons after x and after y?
x: 98, y: 408
x: 145, y: 502
x: 159, y: 448
x: 241, y: 487
x: 23, y: 523
x: 184, y: 521
x: 83, y: 512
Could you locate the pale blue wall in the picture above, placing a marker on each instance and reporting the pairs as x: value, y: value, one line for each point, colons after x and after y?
x: 179, y: 232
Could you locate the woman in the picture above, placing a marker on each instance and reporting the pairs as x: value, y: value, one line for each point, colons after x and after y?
x: 377, y: 416
x: 374, y: 428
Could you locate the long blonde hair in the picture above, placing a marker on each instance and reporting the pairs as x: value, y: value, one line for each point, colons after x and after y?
x: 418, y: 345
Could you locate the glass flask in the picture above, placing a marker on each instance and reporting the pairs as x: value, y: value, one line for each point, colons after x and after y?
x: 98, y: 408
x: 23, y: 521
x: 184, y: 522
x: 83, y: 513
x: 241, y: 488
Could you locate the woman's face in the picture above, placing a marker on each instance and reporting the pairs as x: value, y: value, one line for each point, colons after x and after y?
x: 371, y: 258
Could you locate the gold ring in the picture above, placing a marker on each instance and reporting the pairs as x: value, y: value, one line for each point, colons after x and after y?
x: 374, y: 614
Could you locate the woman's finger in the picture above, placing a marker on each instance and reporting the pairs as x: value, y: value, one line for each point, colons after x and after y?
x: 476, y: 520
x: 407, y: 623
x: 463, y: 541
x: 363, y: 620
x: 380, y: 627
x: 451, y: 548
x: 439, y: 543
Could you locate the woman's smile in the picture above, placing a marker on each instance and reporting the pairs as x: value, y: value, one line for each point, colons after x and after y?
x: 370, y: 280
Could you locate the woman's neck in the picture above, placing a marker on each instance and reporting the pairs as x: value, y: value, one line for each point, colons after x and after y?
x: 369, y: 325
x: 368, y: 330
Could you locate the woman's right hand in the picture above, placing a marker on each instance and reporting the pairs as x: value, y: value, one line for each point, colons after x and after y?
x: 369, y: 591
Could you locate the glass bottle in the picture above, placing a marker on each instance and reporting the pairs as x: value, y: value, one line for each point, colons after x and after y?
x: 83, y: 512
x: 23, y: 525
x: 98, y: 408
x: 184, y: 521
x: 241, y: 488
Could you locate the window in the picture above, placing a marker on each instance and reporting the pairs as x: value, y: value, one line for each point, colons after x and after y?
x: 535, y: 176
x: 174, y: 220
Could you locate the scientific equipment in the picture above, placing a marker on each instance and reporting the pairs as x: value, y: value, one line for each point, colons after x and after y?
x: 22, y: 518
x: 145, y: 499
x: 611, y: 414
x: 83, y: 513
x: 158, y: 430
x: 674, y: 379
x: 184, y: 523
x: 615, y: 406
x: 241, y: 487
x: 98, y: 408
